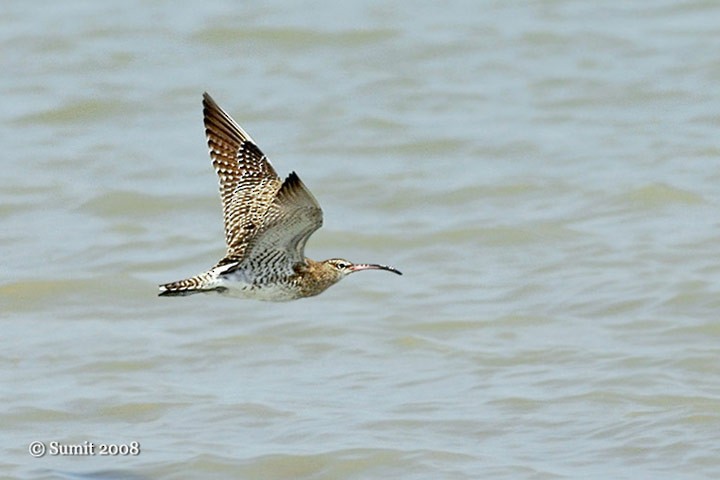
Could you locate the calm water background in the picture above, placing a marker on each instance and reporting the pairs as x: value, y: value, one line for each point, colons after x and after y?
x: 545, y: 173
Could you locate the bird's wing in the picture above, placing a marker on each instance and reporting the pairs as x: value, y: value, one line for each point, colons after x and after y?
x: 248, y: 183
x: 292, y: 218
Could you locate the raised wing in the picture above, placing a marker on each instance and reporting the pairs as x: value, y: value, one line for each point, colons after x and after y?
x: 292, y: 218
x: 248, y: 183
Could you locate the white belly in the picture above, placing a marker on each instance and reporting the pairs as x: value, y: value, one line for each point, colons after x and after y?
x: 237, y: 284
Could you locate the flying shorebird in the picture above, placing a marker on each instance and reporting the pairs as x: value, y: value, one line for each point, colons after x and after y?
x: 267, y: 223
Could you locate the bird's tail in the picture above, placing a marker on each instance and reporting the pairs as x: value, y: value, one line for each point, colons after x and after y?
x: 205, y: 282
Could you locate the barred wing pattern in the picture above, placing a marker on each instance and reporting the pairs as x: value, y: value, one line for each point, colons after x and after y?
x: 292, y: 218
x: 248, y: 183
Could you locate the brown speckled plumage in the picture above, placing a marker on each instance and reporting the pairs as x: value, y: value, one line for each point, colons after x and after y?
x: 267, y: 224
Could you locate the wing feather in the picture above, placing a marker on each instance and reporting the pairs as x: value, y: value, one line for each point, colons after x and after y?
x: 248, y: 183
x: 292, y: 218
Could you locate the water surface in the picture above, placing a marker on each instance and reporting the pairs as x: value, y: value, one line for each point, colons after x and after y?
x: 545, y: 174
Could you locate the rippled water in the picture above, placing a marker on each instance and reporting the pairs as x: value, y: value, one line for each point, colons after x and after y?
x: 544, y: 173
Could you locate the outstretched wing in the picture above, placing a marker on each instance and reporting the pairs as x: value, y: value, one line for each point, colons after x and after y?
x: 292, y: 218
x: 248, y: 183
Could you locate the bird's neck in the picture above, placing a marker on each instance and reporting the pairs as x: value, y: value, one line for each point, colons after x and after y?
x: 316, y: 277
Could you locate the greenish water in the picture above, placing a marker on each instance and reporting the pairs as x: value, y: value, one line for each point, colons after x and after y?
x: 545, y: 174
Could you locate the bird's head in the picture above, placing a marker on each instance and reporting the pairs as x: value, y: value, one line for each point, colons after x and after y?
x: 318, y: 276
x: 343, y: 268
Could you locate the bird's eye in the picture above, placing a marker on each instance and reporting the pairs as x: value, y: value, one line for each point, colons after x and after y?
x: 342, y: 265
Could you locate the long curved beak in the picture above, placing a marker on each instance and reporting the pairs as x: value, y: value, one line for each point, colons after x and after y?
x: 374, y: 266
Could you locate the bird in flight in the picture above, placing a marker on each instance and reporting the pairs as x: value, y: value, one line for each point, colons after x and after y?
x: 267, y: 223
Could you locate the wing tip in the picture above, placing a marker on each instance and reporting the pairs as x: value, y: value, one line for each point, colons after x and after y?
x: 208, y: 101
x: 292, y: 180
x: 293, y: 189
x: 220, y: 123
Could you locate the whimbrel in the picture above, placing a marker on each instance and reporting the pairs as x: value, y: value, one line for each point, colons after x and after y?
x: 267, y: 223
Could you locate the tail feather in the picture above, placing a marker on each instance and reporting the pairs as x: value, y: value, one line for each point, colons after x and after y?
x: 189, y: 286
